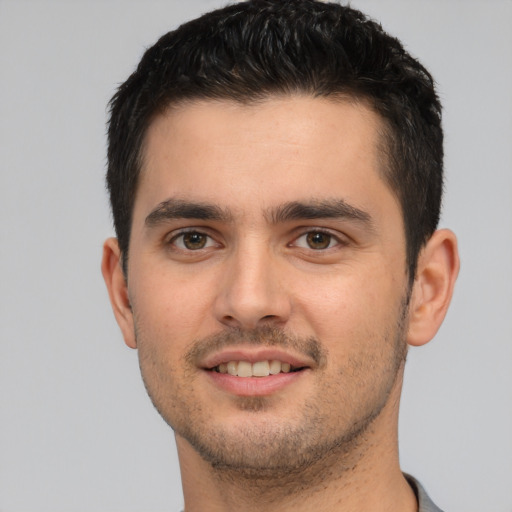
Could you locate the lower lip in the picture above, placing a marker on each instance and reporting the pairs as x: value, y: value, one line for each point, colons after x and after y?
x: 254, y: 386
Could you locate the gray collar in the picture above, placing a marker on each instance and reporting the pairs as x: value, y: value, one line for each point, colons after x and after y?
x: 424, y: 502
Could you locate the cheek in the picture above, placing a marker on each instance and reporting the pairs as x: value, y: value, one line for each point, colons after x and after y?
x: 350, y: 309
x: 171, y: 307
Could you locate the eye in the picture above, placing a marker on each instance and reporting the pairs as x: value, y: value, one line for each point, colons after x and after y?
x: 316, y: 240
x: 192, y: 241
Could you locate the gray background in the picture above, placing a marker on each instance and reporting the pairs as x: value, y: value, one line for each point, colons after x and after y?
x: 77, y: 432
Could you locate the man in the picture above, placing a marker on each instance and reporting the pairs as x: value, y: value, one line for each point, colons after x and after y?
x: 275, y: 171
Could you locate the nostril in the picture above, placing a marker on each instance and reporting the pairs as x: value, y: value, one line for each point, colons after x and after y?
x: 229, y: 319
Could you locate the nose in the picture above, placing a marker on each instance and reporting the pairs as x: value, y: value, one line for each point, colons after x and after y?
x: 253, y: 292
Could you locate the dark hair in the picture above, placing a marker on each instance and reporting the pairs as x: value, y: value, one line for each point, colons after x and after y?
x: 252, y: 50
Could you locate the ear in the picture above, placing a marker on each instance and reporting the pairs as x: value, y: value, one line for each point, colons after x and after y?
x: 438, y: 267
x: 111, y: 268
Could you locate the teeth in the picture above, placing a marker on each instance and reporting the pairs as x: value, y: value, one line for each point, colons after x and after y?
x: 244, y: 369
x: 275, y: 367
x: 233, y: 368
x: 258, y: 369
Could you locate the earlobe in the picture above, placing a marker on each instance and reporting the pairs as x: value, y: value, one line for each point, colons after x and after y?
x: 438, y: 267
x: 114, y: 277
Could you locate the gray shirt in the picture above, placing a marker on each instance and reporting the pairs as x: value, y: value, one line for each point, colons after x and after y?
x: 424, y: 502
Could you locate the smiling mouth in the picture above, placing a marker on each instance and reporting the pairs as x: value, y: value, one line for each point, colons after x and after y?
x: 256, y: 369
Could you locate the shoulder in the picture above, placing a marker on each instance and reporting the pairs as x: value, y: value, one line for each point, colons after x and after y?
x: 424, y: 501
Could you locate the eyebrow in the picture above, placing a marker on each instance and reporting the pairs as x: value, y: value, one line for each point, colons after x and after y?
x: 324, y: 209
x: 179, y: 209
x: 295, y: 210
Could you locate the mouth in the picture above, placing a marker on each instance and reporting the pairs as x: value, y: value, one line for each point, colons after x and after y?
x: 245, y: 371
x: 263, y: 368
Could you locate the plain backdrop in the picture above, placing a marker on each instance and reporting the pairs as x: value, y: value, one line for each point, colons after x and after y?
x: 77, y: 431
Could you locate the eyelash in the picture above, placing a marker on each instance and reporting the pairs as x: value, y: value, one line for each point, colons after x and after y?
x: 182, y: 234
x: 333, y: 240
x: 314, y: 231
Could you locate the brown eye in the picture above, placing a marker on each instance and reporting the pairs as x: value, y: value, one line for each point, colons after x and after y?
x: 318, y: 240
x: 192, y: 241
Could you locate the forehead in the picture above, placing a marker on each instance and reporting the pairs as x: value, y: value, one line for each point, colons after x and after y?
x: 282, y: 148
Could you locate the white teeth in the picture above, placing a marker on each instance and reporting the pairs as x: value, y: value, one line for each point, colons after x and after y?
x: 232, y: 368
x: 258, y: 369
x: 275, y: 367
x: 244, y: 369
x: 261, y: 369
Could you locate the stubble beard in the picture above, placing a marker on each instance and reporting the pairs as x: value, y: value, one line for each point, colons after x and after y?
x: 283, y: 451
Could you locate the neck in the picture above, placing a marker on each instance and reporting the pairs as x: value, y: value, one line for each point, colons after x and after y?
x: 363, y: 476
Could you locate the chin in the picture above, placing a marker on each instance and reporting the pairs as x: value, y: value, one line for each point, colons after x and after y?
x: 267, y: 448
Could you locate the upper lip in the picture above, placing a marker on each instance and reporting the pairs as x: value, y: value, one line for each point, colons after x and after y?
x: 253, y: 355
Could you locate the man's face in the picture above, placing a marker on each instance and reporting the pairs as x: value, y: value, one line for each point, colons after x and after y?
x: 265, y: 237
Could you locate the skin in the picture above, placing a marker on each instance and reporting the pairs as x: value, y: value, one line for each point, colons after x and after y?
x: 330, y: 291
